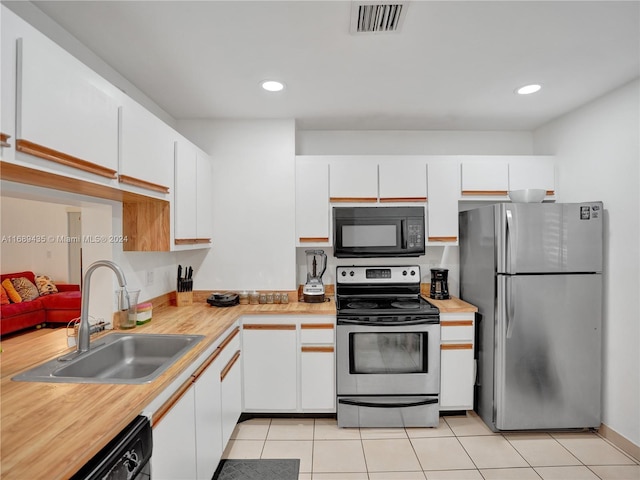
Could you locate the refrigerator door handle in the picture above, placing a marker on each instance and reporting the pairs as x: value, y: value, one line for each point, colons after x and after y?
x: 510, y: 306
x: 511, y: 242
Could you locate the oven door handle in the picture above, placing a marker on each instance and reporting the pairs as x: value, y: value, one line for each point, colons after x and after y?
x: 358, y: 403
x: 380, y: 323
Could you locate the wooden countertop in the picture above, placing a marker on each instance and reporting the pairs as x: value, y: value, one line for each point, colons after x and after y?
x: 49, y: 430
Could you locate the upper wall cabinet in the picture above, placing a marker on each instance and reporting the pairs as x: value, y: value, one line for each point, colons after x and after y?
x: 532, y: 172
x: 492, y: 177
x: 193, y: 221
x: 312, y: 201
x: 443, y: 177
x: 353, y: 179
x: 146, y: 149
x: 65, y: 112
x: 402, y: 179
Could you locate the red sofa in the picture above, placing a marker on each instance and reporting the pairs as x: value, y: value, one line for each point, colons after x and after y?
x: 58, y: 307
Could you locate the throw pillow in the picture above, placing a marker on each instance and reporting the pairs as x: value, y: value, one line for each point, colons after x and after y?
x: 25, y: 289
x: 13, y: 295
x: 45, y: 285
x: 4, y: 298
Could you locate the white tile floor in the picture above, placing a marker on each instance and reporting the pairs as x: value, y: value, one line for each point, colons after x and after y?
x: 461, y: 448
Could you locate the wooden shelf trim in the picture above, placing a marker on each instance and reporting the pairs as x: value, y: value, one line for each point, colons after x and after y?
x: 456, y: 346
x: 138, y: 182
x: 317, y: 326
x: 227, y: 368
x: 352, y: 200
x: 456, y: 323
x: 442, y: 239
x: 268, y: 326
x: 402, y: 199
x: 191, y: 241
x: 485, y: 193
x: 313, y: 239
x: 3, y: 140
x: 40, y: 151
x: 317, y: 349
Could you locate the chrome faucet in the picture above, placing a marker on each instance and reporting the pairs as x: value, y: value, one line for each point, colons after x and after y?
x: 85, y: 328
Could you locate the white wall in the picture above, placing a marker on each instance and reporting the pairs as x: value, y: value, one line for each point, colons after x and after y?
x: 253, y: 203
x: 598, y: 152
x: 31, y: 238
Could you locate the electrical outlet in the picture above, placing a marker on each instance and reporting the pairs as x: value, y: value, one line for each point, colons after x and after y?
x: 149, y: 278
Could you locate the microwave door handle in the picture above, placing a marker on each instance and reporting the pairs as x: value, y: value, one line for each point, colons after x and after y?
x: 403, y: 237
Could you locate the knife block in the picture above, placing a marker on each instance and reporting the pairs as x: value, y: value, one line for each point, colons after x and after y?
x: 184, y: 299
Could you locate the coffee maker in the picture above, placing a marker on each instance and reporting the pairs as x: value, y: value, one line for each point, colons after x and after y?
x: 439, y: 284
x: 313, y: 290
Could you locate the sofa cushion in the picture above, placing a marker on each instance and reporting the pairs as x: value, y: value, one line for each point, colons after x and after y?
x: 45, y: 285
x: 25, y: 288
x: 21, y: 308
x: 62, y: 301
x: 4, y: 298
x: 14, y: 296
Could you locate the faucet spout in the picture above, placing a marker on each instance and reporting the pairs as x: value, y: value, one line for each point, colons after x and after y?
x: 85, y: 328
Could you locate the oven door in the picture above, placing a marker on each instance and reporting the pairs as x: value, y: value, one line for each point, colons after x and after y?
x: 384, y: 359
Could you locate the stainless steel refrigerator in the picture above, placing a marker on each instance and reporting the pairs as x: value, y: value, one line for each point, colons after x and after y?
x: 535, y: 273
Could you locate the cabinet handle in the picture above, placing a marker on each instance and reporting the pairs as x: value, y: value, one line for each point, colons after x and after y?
x: 191, y: 241
x: 317, y: 326
x: 313, y: 239
x: 229, y: 365
x: 442, y: 239
x: 230, y: 337
x: 317, y: 349
x: 481, y: 193
x: 456, y: 346
x: 137, y: 182
x: 40, y: 151
x: 3, y: 140
x: 456, y: 323
x: 402, y: 199
x: 353, y: 200
x: 168, y: 405
x: 268, y: 326
x: 202, y: 368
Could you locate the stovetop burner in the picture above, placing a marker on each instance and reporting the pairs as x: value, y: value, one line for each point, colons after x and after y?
x: 362, y: 305
x: 409, y: 304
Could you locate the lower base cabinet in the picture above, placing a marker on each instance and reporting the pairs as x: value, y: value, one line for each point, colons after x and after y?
x: 457, y: 363
x: 188, y: 440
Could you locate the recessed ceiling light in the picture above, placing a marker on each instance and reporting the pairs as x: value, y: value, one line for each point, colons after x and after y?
x: 272, y: 85
x: 527, y: 89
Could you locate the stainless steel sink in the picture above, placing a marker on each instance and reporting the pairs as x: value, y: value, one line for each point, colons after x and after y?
x: 115, y: 358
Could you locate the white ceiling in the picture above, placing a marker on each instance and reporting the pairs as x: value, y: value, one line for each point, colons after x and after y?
x: 452, y: 65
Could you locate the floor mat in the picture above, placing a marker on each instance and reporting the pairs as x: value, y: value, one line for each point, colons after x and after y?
x: 264, y: 469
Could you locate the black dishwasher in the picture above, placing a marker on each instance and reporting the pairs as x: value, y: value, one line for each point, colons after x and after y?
x: 126, y: 457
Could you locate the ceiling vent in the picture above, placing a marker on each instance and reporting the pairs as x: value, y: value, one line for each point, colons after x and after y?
x: 376, y: 17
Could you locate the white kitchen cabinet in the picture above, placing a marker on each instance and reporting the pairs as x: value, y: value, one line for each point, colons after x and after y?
x: 231, y: 383
x: 65, y: 113
x: 208, y: 408
x: 443, y: 190
x: 485, y: 176
x: 532, y: 172
x: 353, y: 179
x: 269, y: 366
x: 457, y: 364
x: 317, y: 365
x: 402, y: 179
x: 312, y: 201
x: 174, y: 441
x: 146, y: 150
x: 193, y: 221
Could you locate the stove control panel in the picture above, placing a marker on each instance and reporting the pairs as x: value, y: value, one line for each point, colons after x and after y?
x: 382, y: 275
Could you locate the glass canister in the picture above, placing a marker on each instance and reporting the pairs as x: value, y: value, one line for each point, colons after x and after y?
x: 244, y: 298
x: 254, y: 298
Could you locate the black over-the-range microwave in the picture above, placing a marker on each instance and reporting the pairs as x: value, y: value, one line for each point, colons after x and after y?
x: 378, y: 232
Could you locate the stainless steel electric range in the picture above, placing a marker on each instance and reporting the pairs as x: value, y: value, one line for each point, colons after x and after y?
x: 387, y: 349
